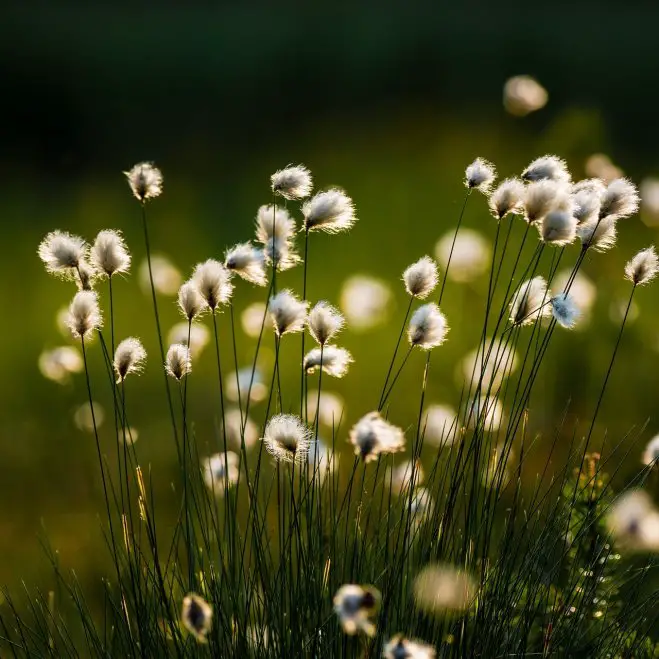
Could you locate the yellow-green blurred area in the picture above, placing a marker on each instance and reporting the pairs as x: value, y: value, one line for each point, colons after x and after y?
x: 388, y: 102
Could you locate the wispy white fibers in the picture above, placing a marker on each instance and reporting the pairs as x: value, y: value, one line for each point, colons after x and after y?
x: 324, y: 322
x: 558, y: 227
x: 275, y: 230
x: 543, y: 196
x: 565, y: 310
x: 287, y: 312
x: 530, y: 302
x: 62, y: 253
x: 177, y: 362
x: 145, y: 181
x: 372, y: 436
x: 480, y: 175
x: 508, y: 197
x: 587, y: 198
x: 619, y: 200
x: 129, y: 357
x: 421, y: 278
x: 331, y: 211
x: 335, y: 360
x: 109, y: 254
x: 84, y: 315
x: 428, y: 327
x: 292, y: 182
x: 643, y: 268
x: 85, y: 276
x: 550, y: 168
x: 598, y: 235
x: 651, y: 452
x: 286, y: 438
x: 190, y: 302
x: 634, y: 521
x: 213, y: 281
x: 247, y: 262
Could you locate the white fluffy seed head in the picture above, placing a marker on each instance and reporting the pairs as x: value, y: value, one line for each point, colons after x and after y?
x: 324, y: 322
x: 84, y: 314
x: 197, y: 616
x: 286, y: 438
x: 287, y: 312
x: 330, y: 211
x: 213, y: 281
x: 421, y: 278
x: 109, y: 254
x: 62, y: 253
x: 634, y: 522
x: 372, y: 436
x: 190, y: 302
x: 508, y: 197
x: 247, y: 262
x: 273, y: 221
x: 480, y: 175
x: 85, y: 276
x: 357, y: 608
x: 619, y: 200
x: 550, y: 168
x: 129, y: 357
x: 651, y: 452
x: 587, y: 198
x: 177, y: 362
x: 283, y: 252
x: 400, y: 647
x: 599, y: 235
x: 145, y: 181
x: 530, y: 302
x: 643, y: 268
x: 558, y: 227
x: 333, y: 360
x: 292, y: 182
x: 428, y: 327
x: 543, y: 196
x: 565, y: 310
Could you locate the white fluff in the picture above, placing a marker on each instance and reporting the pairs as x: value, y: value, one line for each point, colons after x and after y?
x: 428, y: 327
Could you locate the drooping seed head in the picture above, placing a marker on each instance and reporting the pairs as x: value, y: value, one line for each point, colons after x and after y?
x: 508, y: 197
x: 324, y: 322
x: 421, y: 278
x: 551, y: 168
x: 287, y: 312
x: 177, y: 362
x: 213, y: 281
x: 529, y: 303
x: 62, y: 252
x: 598, y: 235
x: 357, y: 608
x: 565, y: 310
x: 480, y: 175
x: 292, y: 182
x: 333, y: 360
x: 84, y: 315
x: 129, y: 357
x: 145, y: 181
x: 558, y: 227
x: 643, y: 268
x: 197, y: 616
x: 619, y: 200
x: 372, y: 435
x: 331, y: 211
x: 220, y: 471
x: 286, y: 438
x: 109, y: 254
x: 190, y: 302
x: 247, y: 262
x: 428, y: 327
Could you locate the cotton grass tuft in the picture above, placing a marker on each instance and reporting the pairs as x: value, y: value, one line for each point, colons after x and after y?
x: 421, y: 278
x: 643, y: 268
x: 292, y: 182
x: 145, y: 181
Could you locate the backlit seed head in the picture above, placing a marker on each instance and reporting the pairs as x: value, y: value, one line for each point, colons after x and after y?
x: 565, y: 310
x: 372, y: 436
x: 331, y: 211
x: 558, y: 227
x: 507, y: 198
x: 598, y: 235
x: 619, y: 200
x: 145, y: 181
x: 190, y: 302
x: 333, y: 360
x: 62, y: 252
x: 651, y: 452
x: 109, y: 254
x: 428, y: 327
x: 287, y: 312
x: 197, y: 616
x: 550, y: 168
x: 129, y: 357
x: 286, y: 438
x: 324, y: 322
x: 177, y: 362
x: 247, y: 262
x: 400, y: 647
x: 529, y: 303
x: 213, y: 281
x: 480, y: 175
x: 84, y: 315
x: 643, y: 268
x: 421, y: 278
x: 543, y: 196
x: 292, y: 182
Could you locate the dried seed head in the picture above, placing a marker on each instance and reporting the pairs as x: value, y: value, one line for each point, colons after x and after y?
x: 421, y: 278
x: 507, y: 198
x: 129, y: 357
x: 400, y: 647
x: 247, y: 262
x: 372, y: 435
x: 643, y: 268
x: 84, y: 315
x: 283, y: 252
x: 109, y: 254
x: 288, y: 314
x: 559, y: 227
x: 564, y: 310
x: 220, y: 471
x: 530, y: 302
x: 357, y: 608
x: 428, y: 327
x: 286, y: 438
x: 331, y: 211
x: 440, y: 588
x: 190, y: 302
x: 619, y: 200
x: 213, y: 281
x: 145, y: 181
x: 197, y: 616
x: 543, y: 196
x: 62, y: 253
x: 550, y: 168
x: 177, y: 362
x: 59, y: 363
x: 480, y: 175
x: 324, y: 322
x: 292, y: 182
x: 333, y: 360
x: 599, y: 235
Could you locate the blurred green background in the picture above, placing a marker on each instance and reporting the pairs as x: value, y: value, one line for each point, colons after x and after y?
x: 391, y: 103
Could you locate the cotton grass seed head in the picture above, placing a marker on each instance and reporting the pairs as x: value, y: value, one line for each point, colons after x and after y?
x: 551, y: 168
x: 598, y: 235
x: 85, y: 276
x: 428, y: 327
x: 565, y: 310
x: 197, y: 616
x: 145, y: 181
x: 273, y: 221
x: 543, y: 196
x: 333, y: 360
x: 84, y: 315
x: 198, y: 334
x: 587, y: 198
x: 507, y: 198
x: 421, y: 278
x: 372, y: 436
x: 643, y: 268
x: 60, y: 363
x: 213, y: 281
x: 287, y: 312
x: 400, y: 647
x: 220, y: 471
x: 177, y: 362
x: 619, y: 200
x: 330, y: 211
x: 440, y: 588
x: 129, y: 357
x: 62, y: 252
x: 247, y: 262
x: 651, y: 452
x: 480, y: 175
x: 634, y: 522
x: 558, y: 227
x: 324, y: 322
x: 283, y: 252
x: 109, y: 254
x: 357, y: 608
x: 286, y: 438
x: 190, y: 302
x: 292, y: 182
x: 529, y: 303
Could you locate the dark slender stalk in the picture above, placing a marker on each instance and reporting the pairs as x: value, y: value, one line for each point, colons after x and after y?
x: 235, y: 358
x: 395, y: 378
x: 303, y: 397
